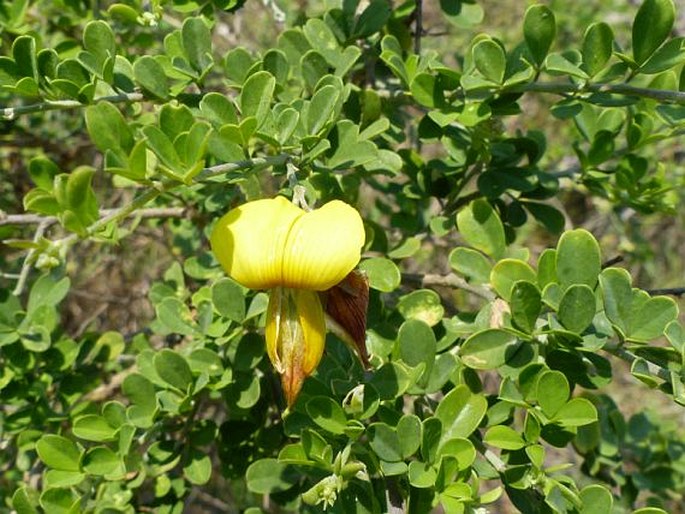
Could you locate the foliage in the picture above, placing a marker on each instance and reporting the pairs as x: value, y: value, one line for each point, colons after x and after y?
x: 488, y: 358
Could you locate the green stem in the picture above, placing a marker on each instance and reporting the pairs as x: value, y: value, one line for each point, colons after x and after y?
x: 169, y: 184
x: 9, y: 113
x: 563, y: 88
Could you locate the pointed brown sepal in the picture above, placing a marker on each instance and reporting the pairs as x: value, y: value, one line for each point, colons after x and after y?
x: 347, y: 304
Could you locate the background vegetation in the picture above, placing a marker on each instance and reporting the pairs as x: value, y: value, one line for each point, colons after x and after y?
x: 519, y: 169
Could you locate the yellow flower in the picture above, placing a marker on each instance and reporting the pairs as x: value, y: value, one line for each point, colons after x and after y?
x: 272, y: 244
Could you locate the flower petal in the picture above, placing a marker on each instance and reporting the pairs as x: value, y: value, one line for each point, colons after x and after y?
x: 249, y: 240
x: 295, y: 336
x: 323, y: 246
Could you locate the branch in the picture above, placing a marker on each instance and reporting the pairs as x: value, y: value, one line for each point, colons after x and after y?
x: 565, y: 88
x: 138, y: 203
x: 418, y: 30
x: 28, y: 261
x: 106, y: 391
x: 34, y: 219
x: 630, y: 357
x: 673, y: 291
x: 450, y: 280
x: 169, y: 184
x: 9, y: 113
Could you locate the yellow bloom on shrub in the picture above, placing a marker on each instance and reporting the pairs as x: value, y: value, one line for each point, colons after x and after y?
x: 273, y: 244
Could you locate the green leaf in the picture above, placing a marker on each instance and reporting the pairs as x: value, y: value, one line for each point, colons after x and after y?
x: 639, y: 317
x: 424, y: 305
x: 351, y: 151
x: 617, y: 294
x: 406, y: 248
x: 79, y: 197
x: 470, y: 263
x: 372, y: 19
x: 558, y: 64
x: 385, y: 442
x: 58, y: 452
x: 409, y: 434
x: 462, y: 13
x: 481, y: 228
x: 276, y: 63
x: 526, y: 304
x: 218, y: 109
x: 59, y: 501
x: 391, y: 380
x: 43, y: 172
x: 197, y: 43
x: 25, y: 500
x: 92, y: 427
x: 552, y: 391
x: 488, y: 349
x: 204, y: 360
x: 321, y: 108
x: 229, y: 299
x: 649, y: 318
x: 507, y: 272
x: 652, y: 25
x: 59, y: 478
x: 47, y: 291
x: 267, y: 476
x: 596, y: 499
x: 503, y: 437
x: 24, y: 53
x: 256, y: 94
x: 578, y: 259
x: 150, y: 75
x: 598, y: 46
x: 101, y: 461
x: 417, y: 345
x: 198, y: 470
x: 421, y: 475
x: 175, y: 316
x: 173, y: 369
x: 539, y: 30
x: 667, y: 57
x: 98, y: 39
x: 139, y: 390
x: 577, y: 412
x: 426, y: 91
x: 383, y: 274
x: 238, y: 63
x: 460, y: 412
x: 549, y: 217
x: 108, y: 129
x: 286, y: 123
x: 489, y: 59
x: 577, y: 308
x: 314, y: 68
x: 327, y: 414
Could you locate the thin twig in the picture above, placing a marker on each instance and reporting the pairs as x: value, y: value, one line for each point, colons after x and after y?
x: 418, y: 29
x: 672, y: 291
x: 563, y: 88
x: 630, y: 357
x: 169, y: 184
x: 450, y: 280
x: 9, y: 113
x: 28, y: 260
x: 612, y: 261
x: 106, y: 391
x: 33, y: 219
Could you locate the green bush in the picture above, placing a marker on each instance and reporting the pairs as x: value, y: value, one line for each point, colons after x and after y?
x: 496, y: 326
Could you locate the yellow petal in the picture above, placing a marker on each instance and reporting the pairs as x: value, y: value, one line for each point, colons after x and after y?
x: 295, y: 336
x: 323, y: 246
x: 249, y: 241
